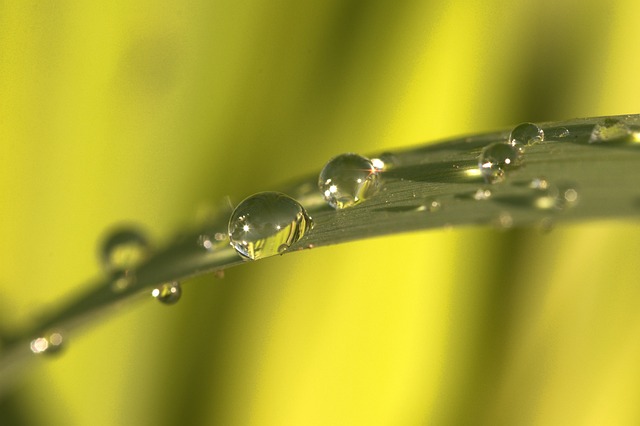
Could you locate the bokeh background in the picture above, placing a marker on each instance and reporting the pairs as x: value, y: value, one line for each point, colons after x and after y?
x: 144, y: 111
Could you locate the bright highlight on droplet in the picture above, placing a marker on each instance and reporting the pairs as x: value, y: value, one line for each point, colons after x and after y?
x: 349, y: 179
x: 266, y: 224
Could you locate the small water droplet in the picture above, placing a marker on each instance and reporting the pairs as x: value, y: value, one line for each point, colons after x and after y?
x: 49, y: 343
x: 482, y: 194
x: 124, y: 248
x: 545, y: 225
x: 262, y: 223
x: 385, y: 161
x: 610, y: 130
x: 568, y: 196
x: 549, y: 196
x: 495, y: 159
x: 209, y: 242
x: 168, y: 293
x: 539, y: 183
x: 121, y: 280
x: 348, y: 179
x: 504, y: 221
x: 526, y: 134
x: 430, y: 205
x: 563, y: 132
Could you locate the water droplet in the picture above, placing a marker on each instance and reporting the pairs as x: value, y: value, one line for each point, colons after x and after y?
x: 495, y: 159
x: 526, y: 134
x: 348, y: 179
x: 49, y: 343
x: 385, y: 161
x: 430, y: 205
x: 504, y: 221
x: 549, y: 196
x: 121, y: 280
x: 545, y: 225
x: 539, y: 183
x: 168, y: 293
x: 123, y: 249
x: 261, y: 224
x: 482, y: 194
x: 568, y: 196
x: 611, y: 130
x: 209, y: 241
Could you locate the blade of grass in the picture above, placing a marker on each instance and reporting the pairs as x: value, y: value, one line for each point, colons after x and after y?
x: 584, y: 169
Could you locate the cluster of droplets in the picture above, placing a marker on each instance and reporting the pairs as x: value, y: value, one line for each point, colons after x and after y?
x: 497, y: 158
x: 553, y: 197
x: 269, y: 223
x: 48, y: 343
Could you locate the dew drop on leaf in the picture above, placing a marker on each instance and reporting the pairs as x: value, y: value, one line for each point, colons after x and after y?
x: 349, y: 179
x: 556, y: 197
x: 495, y: 159
x: 526, y: 134
x: 121, y: 280
x: 49, y: 343
x: 430, y: 205
x: 168, y: 293
x: 482, y: 194
x: 124, y: 248
x: 266, y: 224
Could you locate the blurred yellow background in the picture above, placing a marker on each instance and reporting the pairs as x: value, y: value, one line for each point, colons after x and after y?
x: 144, y: 111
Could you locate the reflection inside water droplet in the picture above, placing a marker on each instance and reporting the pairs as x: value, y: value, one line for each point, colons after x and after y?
x: 497, y: 158
x: 124, y: 248
x: 168, y: 293
x: 348, y: 179
x: 264, y: 222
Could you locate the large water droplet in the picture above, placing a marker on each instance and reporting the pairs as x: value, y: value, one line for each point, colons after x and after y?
x: 168, y: 293
x: 348, y: 179
x: 266, y: 224
x: 495, y: 159
x: 526, y: 134
x: 49, y: 343
x: 124, y: 249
